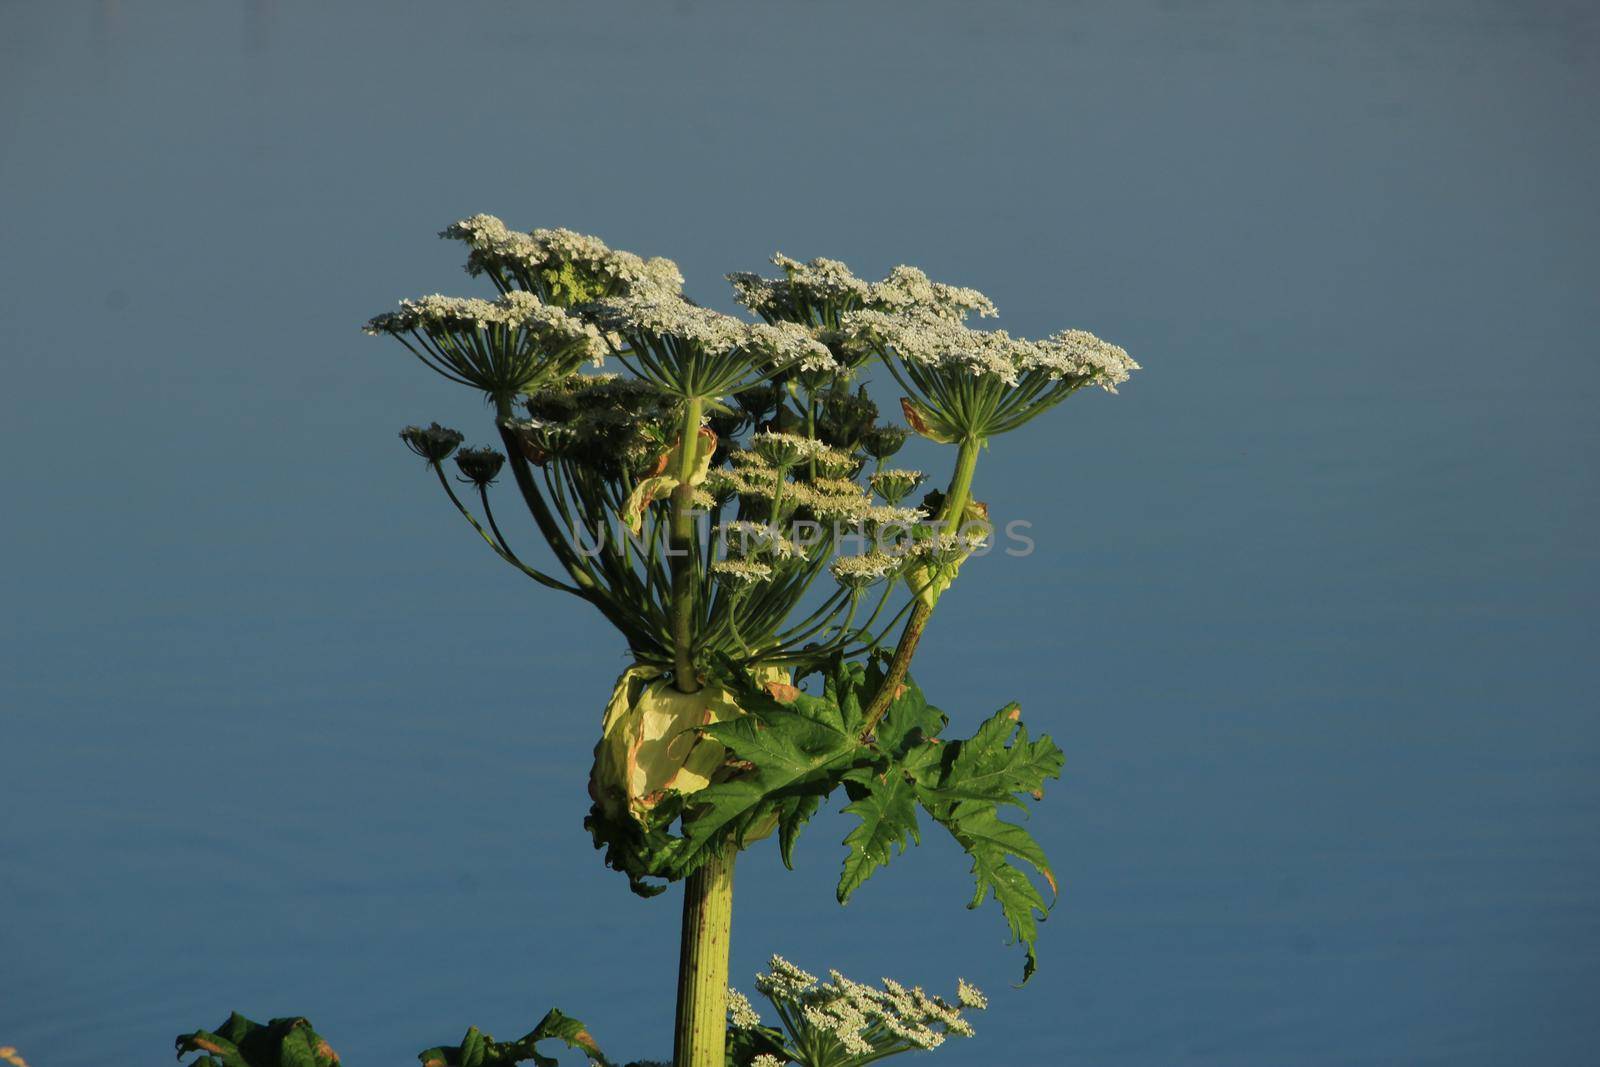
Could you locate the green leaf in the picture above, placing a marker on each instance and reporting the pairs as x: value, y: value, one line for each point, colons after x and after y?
x: 222, y: 1051
x: 296, y: 1050
x: 640, y: 852
x: 990, y: 841
x: 472, y: 1048
x: 242, y: 1042
x: 908, y: 721
x: 887, y: 809
x: 843, y: 684
x: 998, y: 764
x: 560, y: 1027
x: 744, y: 1045
x: 793, y: 814
x: 962, y: 784
x: 796, y: 751
x: 478, y: 1049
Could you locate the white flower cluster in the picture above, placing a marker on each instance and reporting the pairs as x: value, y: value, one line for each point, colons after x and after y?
x: 789, y: 344
x: 818, y: 281
x: 657, y: 314
x: 893, y: 485
x: 877, y: 516
x: 785, y: 981
x: 494, y: 245
x: 865, y: 1019
x: 834, y: 500
x: 908, y: 289
x: 859, y: 572
x: 938, y: 343
x: 742, y: 539
x: 785, y: 450
x: 741, y: 573
x: 1080, y: 354
x: 809, y: 287
x: 662, y: 315
x: 516, y: 310
x: 741, y: 1013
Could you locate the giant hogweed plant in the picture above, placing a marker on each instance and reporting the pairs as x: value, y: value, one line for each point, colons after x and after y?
x: 720, y: 491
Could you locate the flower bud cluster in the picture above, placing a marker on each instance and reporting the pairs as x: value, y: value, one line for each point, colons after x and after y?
x: 618, y: 426
x: 433, y: 443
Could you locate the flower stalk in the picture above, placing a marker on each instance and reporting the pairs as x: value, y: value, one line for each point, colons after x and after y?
x: 956, y: 499
x: 684, y: 578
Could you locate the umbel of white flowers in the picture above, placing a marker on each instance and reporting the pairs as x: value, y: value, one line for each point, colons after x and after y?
x: 840, y: 1022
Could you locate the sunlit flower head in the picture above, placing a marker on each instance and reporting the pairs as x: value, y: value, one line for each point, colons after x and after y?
x: 818, y: 292
x: 503, y: 346
x: 560, y: 265
x: 908, y: 289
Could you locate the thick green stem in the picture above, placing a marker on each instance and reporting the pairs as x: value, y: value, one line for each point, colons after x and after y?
x: 700, y: 1034
x: 956, y: 499
x: 699, y: 1039
x: 684, y: 579
x: 959, y: 495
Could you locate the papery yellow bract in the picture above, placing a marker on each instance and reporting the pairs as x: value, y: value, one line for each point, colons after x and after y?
x: 651, y: 745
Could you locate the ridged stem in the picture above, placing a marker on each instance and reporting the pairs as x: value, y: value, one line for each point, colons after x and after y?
x: 700, y: 1034
x: 699, y: 1038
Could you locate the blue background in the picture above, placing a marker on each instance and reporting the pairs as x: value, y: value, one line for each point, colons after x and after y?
x: 1312, y: 611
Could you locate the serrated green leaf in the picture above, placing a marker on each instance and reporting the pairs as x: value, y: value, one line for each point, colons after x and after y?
x: 843, y: 685
x: 908, y: 721
x: 793, y: 814
x: 792, y: 755
x: 990, y: 842
x: 888, y: 813
x: 998, y: 764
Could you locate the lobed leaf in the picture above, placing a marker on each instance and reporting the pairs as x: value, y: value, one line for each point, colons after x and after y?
x: 887, y: 809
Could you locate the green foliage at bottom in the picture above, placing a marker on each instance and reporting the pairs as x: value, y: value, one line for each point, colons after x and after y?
x: 478, y: 1049
x: 291, y: 1042
x: 242, y: 1042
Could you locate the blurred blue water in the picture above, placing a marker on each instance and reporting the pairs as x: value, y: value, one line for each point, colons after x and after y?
x: 1312, y: 612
